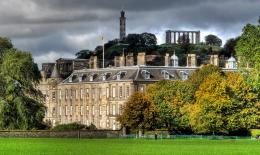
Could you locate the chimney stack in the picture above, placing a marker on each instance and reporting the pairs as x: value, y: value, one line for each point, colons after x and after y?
x: 167, y: 59
x: 191, y: 60
x: 214, y: 60
x: 141, y: 59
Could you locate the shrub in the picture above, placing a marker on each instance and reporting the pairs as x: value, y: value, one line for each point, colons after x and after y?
x: 255, y: 132
x: 73, y: 127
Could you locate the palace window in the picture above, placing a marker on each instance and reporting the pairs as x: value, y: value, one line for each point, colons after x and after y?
x: 53, y: 95
x: 100, y: 93
x: 71, y: 110
x: 120, y: 91
x: 107, y: 110
x: 66, y: 94
x: 71, y: 94
x: 93, y: 93
x: 76, y: 94
x: 81, y: 93
x: 100, y: 110
x: 66, y: 110
x: 113, y: 109
x: 60, y: 94
x: 120, y: 109
x: 77, y: 110
x: 107, y: 92
x: 87, y: 93
x: 93, y: 110
x: 127, y: 91
x: 81, y: 110
x: 113, y: 92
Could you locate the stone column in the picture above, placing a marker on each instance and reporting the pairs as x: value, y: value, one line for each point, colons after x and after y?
x: 198, y: 37
x: 168, y: 37
x: 174, y: 37
x: 192, y: 37
x: 179, y: 35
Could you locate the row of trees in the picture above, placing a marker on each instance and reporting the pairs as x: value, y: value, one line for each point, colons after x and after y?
x: 210, y: 101
x: 21, y: 105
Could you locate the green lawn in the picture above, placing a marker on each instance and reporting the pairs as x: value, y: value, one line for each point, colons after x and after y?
x: 46, y: 146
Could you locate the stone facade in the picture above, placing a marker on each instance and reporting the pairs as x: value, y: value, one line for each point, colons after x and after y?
x: 97, y: 95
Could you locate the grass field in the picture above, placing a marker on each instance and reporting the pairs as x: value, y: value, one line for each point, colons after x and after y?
x: 46, y: 146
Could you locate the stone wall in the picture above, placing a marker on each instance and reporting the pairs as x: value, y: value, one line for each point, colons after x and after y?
x: 61, y: 134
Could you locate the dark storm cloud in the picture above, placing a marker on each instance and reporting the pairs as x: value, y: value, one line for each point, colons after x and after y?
x: 59, y: 28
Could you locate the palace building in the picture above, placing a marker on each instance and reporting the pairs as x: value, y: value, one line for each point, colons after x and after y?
x: 78, y: 90
x: 97, y: 95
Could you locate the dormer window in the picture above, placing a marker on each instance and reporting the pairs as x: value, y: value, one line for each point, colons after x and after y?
x: 146, y: 74
x: 184, y: 75
x: 92, y: 77
x: 80, y: 78
x: 166, y: 75
x: 105, y: 76
x: 120, y: 75
x: 72, y: 78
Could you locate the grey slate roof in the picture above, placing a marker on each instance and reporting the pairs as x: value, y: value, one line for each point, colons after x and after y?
x: 130, y: 73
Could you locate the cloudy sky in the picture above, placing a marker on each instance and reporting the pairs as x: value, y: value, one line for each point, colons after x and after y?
x: 59, y: 28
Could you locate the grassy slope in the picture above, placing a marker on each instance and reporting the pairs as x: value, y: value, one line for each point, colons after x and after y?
x: 128, y: 147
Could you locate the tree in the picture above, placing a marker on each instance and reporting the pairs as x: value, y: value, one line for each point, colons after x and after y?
x: 248, y: 52
x: 224, y: 104
x: 200, y: 75
x: 229, y: 47
x: 20, y: 103
x: 5, y: 44
x: 149, y: 39
x: 169, y: 98
x: 213, y: 40
x: 139, y: 113
x: 84, y: 54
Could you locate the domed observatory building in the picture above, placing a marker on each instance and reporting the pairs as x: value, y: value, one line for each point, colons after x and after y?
x: 231, y: 63
x: 174, y: 60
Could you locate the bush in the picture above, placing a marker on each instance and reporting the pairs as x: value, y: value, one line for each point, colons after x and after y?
x: 73, y: 127
x: 255, y: 132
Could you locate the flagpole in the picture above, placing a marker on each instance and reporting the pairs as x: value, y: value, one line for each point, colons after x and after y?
x: 103, y: 52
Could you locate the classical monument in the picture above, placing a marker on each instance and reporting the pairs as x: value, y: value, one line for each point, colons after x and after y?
x: 79, y: 90
x: 174, y: 37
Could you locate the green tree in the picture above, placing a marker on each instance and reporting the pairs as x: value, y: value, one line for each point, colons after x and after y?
x: 169, y: 97
x: 229, y: 47
x: 213, y: 40
x: 5, y: 44
x: 84, y: 54
x: 20, y: 103
x: 248, y: 52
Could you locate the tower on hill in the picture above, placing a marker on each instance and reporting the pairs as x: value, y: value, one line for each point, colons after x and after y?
x: 122, y: 25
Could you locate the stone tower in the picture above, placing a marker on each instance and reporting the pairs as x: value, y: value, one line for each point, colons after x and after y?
x: 122, y: 25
